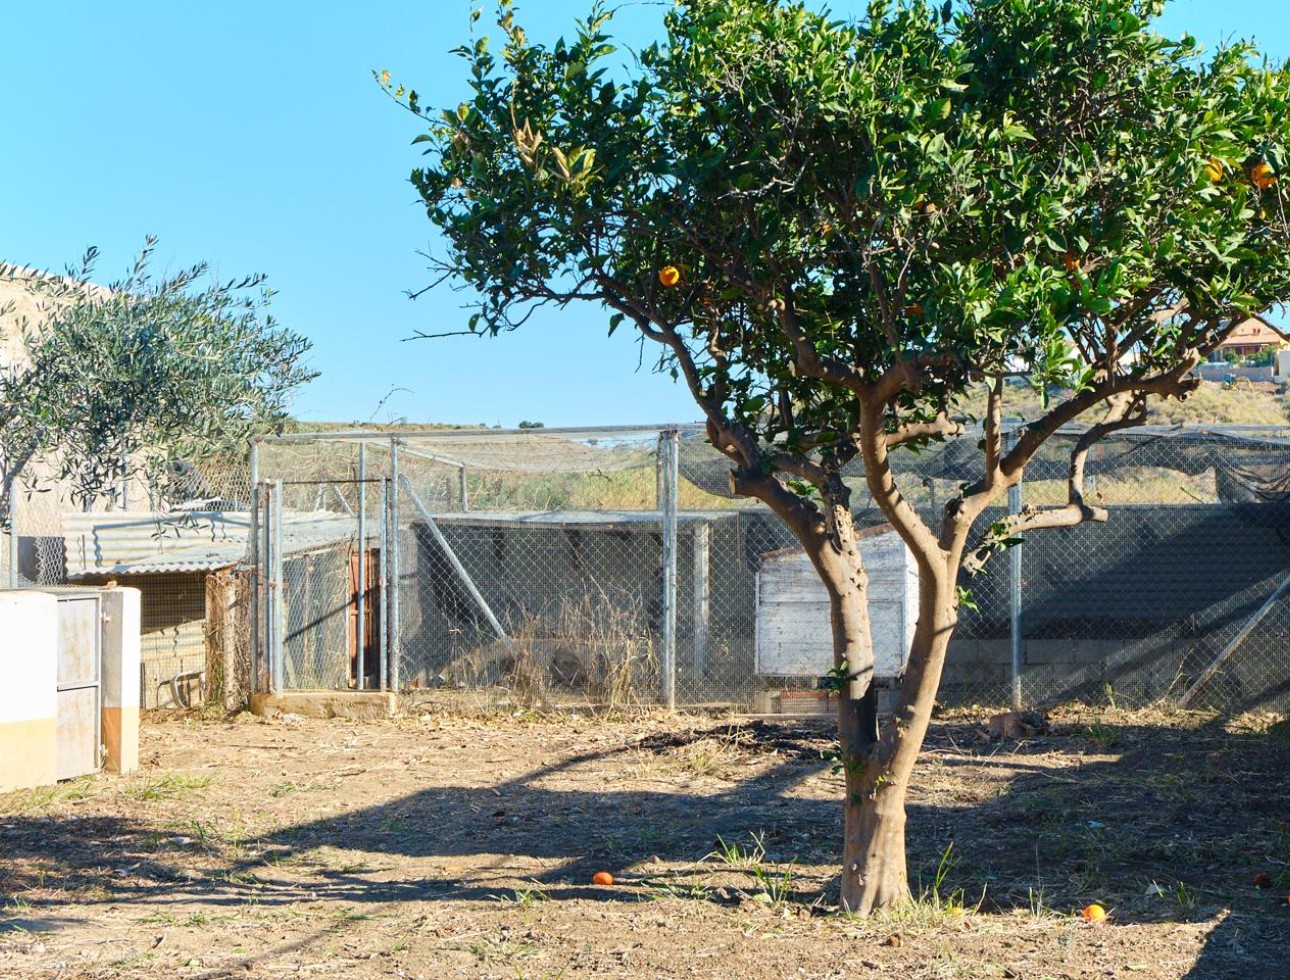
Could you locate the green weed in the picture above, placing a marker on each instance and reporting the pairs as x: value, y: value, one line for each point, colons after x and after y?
x: 166, y: 787
x: 524, y: 898
x: 736, y: 855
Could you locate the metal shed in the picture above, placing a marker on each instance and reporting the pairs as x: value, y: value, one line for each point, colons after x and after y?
x: 182, y: 562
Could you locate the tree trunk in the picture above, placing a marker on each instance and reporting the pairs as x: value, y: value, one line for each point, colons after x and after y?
x: 874, y: 869
x: 877, y: 768
x: 873, y: 854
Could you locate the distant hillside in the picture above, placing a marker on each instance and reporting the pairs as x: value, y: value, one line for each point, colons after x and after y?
x: 1212, y: 404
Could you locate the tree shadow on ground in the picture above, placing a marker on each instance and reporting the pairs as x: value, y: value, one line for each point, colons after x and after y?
x: 1157, y: 823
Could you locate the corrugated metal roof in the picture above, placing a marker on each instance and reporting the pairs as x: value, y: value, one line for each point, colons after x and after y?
x: 148, y: 543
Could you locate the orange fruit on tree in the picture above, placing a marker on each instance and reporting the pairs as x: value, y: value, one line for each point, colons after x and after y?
x: 1261, y: 175
x: 669, y: 275
x: 1094, y: 913
x: 914, y: 309
x: 602, y: 878
x: 1072, y: 263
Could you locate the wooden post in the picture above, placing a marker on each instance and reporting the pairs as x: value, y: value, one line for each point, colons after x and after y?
x: 221, y: 637
x: 119, y: 678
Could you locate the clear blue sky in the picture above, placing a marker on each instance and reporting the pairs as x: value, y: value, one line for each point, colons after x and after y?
x: 251, y: 134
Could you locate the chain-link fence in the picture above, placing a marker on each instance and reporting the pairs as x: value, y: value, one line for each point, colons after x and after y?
x: 544, y: 567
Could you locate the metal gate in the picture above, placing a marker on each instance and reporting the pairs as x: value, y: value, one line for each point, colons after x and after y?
x: 79, y: 657
x: 320, y: 585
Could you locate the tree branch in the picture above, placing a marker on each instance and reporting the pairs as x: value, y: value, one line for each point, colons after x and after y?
x: 806, y: 359
x: 1124, y: 411
x: 886, y: 494
x: 938, y: 428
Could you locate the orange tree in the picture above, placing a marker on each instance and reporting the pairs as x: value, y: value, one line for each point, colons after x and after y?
x: 832, y: 228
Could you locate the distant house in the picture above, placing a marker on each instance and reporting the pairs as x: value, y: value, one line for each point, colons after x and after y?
x: 1251, y: 336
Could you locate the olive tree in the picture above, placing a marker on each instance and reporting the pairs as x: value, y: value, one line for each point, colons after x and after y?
x: 834, y: 228
x: 131, y: 377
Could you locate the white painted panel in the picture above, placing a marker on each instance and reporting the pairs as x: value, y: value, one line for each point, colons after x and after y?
x: 793, y: 632
x: 78, y: 732
x: 29, y: 664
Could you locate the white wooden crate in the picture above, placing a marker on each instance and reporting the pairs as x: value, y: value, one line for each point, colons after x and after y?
x: 793, y: 633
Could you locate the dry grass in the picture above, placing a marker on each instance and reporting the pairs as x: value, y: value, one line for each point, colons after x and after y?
x: 595, y: 646
x: 1210, y: 404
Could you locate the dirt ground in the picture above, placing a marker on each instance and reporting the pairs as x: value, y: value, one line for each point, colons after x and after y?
x: 438, y: 846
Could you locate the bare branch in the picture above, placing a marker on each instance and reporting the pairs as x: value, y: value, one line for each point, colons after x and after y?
x: 938, y: 428
x: 994, y: 428
x: 422, y: 335
x: 907, y: 375
x: 1124, y: 410
x: 803, y: 469
x: 1174, y: 382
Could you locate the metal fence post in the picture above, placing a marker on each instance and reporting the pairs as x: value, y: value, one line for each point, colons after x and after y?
x: 384, y: 580
x: 360, y: 640
x: 396, y: 576
x: 13, y: 532
x: 465, y: 500
x: 266, y: 590
x: 1014, y: 587
x: 277, y: 590
x: 255, y: 464
x: 702, y: 595
x: 668, y: 446
x: 254, y: 557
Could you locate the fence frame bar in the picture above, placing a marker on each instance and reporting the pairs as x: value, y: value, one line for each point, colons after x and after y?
x: 384, y: 580
x: 669, y: 458
x: 1015, y: 642
x: 396, y: 569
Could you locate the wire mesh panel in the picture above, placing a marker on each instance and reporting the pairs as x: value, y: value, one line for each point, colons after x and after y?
x: 316, y: 621
x: 531, y: 568
x: 1140, y: 608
